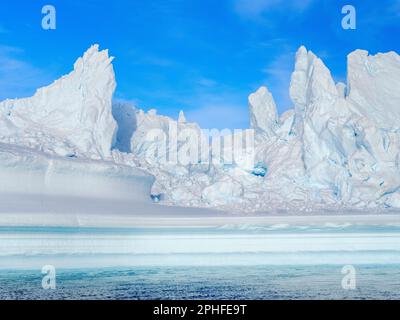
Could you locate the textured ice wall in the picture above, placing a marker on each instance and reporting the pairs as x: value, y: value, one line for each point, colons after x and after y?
x: 339, y: 147
x: 72, y: 116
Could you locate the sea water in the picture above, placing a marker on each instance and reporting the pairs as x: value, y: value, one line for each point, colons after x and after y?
x: 231, y: 262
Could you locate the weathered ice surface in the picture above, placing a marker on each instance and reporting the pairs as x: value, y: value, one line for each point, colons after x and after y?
x: 337, y: 148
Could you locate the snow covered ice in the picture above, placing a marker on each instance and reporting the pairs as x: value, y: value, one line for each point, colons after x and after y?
x: 337, y: 148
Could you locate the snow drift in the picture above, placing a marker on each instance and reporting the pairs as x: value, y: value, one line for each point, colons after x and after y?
x: 28, y: 172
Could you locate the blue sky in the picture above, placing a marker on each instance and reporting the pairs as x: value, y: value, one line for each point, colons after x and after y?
x: 202, y: 56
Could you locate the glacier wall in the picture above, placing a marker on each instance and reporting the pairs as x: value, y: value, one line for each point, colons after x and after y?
x: 337, y: 148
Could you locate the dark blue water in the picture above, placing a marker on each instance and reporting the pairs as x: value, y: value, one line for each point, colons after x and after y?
x: 255, y: 282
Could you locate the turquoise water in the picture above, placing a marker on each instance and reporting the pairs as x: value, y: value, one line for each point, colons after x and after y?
x: 233, y: 262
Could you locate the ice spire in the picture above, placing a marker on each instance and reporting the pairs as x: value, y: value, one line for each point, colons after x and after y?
x: 263, y: 113
x: 181, y: 118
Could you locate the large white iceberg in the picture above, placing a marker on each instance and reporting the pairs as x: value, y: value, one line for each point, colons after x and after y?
x: 339, y: 147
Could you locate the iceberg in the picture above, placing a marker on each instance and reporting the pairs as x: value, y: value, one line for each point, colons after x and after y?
x: 57, y: 145
x: 337, y: 148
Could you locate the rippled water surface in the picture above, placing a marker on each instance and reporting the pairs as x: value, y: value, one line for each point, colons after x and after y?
x: 256, y: 282
x: 245, y: 262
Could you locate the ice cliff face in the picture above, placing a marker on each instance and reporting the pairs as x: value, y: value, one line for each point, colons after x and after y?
x: 339, y: 147
x: 373, y: 87
x: 71, y: 117
x: 349, y: 138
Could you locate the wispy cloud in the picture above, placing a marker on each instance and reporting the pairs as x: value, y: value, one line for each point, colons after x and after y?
x: 395, y: 8
x: 220, y: 110
x: 3, y: 29
x: 18, y: 78
x: 206, y: 82
x: 143, y: 57
x: 278, y: 73
x: 158, y: 61
x: 254, y: 9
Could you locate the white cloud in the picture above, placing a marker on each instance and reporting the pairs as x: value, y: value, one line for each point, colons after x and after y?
x: 18, y: 78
